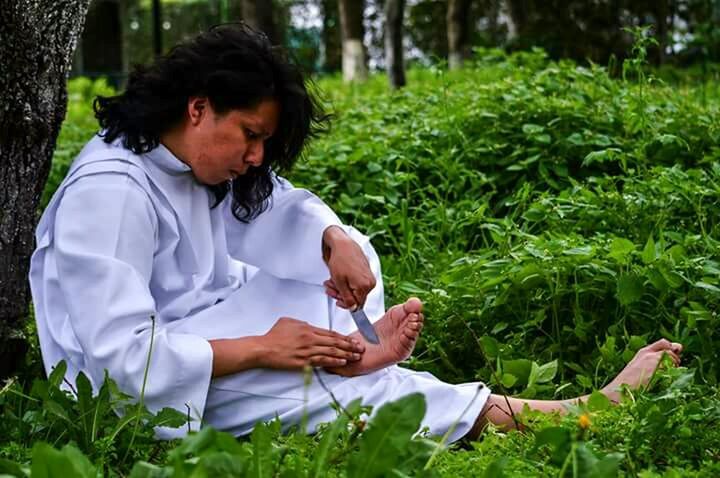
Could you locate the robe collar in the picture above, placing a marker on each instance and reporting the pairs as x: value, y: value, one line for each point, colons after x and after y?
x: 167, y: 161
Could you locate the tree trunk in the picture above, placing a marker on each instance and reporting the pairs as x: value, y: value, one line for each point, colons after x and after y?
x: 457, y: 32
x: 37, y: 39
x: 332, y: 51
x: 394, y: 10
x: 259, y: 15
x: 157, y: 28
x: 102, y: 41
x: 354, y: 64
x: 661, y: 12
x: 516, y: 12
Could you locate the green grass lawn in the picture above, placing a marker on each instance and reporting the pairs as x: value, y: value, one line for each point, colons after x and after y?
x: 554, y: 220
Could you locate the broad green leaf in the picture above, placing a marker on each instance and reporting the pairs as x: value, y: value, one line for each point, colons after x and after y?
x: 621, y: 249
x: 496, y: 469
x: 558, y: 439
x: 47, y: 462
x: 649, y: 253
x: 712, y: 289
x: 168, y: 417
x: 58, y: 374
x: 673, y: 279
x: 598, y: 401
x: 10, y: 468
x: 146, y: 470
x: 85, y: 405
x: 261, y: 465
x: 547, y: 372
x: 629, y: 288
x: 534, y: 370
x: 508, y: 380
x: 490, y: 346
x: 520, y: 368
x: 329, y: 439
x: 656, y: 279
x: 219, y: 463
x: 532, y: 129
x: 602, y: 156
x: 387, y: 438
x: 608, y: 466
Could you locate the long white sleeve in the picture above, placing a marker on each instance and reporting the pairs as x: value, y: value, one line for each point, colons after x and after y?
x: 286, y: 239
x: 105, y: 238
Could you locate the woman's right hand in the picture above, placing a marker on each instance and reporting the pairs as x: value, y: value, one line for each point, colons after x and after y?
x: 292, y: 344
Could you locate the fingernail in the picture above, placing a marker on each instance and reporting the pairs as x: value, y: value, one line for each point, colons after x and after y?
x: 343, y: 361
x: 356, y: 356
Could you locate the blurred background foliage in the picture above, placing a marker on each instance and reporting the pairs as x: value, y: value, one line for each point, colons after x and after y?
x: 120, y: 33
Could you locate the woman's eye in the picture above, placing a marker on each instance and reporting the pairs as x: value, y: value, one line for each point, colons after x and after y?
x: 251, y: 134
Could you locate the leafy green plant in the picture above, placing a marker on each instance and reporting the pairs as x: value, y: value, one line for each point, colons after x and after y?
x: 549, y: 215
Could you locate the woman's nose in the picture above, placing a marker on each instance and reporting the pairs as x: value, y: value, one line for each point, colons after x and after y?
x: 255, y: 154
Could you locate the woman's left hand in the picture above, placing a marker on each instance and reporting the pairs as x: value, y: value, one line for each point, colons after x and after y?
x: 351, y: 279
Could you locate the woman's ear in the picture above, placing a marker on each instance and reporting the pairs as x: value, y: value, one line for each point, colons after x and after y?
x: 197, y: 107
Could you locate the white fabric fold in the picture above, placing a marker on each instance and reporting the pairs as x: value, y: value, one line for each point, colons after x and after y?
x: 128, y: 237
x: 295, y: 218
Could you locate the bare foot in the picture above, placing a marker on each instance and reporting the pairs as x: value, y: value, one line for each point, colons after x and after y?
x: 398, y: 331
x: 641, y: 368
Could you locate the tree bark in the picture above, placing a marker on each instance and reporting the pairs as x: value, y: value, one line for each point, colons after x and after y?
x: 661, y: 12
x: 354, y: 63
x: 259, y: 15
x: 332, y: 50
x: 394, y: 10
x: 102, y: 41
x: 37, y: 39
x: 457, y: 32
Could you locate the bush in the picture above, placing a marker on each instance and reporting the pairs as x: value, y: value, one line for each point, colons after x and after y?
x: 554, y: 220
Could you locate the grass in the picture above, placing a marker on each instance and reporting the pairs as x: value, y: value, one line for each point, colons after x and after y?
x: 566, y: 218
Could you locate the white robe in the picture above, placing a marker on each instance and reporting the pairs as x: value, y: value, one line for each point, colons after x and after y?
x: 127, y: 237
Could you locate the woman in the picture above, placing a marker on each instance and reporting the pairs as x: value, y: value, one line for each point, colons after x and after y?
x: 172, y: 234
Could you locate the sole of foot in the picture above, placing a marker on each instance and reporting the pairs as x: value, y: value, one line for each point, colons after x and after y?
x: 398, y: 331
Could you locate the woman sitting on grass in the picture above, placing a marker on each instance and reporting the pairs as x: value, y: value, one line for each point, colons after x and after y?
x: 172, y: 236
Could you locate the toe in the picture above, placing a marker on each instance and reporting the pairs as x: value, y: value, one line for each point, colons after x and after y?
x: 397, y: 314
x: 413, y: 305
x: 675, y: 358
x: 662, y: 344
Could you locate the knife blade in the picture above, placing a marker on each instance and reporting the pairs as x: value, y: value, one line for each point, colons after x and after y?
x: 364, y: 326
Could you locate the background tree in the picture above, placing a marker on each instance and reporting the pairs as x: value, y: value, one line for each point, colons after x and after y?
x: 394, y: 12
x: 259, y: 14
x: 457, y: 32
x: 37, y: 39
x: 100, y: 48
x: 354, y: 62
x: 331, y: 38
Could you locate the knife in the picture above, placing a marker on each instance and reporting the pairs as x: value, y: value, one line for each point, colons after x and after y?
x: 364, y: 326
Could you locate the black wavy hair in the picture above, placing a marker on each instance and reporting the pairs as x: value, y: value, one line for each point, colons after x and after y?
x: 235, y: 67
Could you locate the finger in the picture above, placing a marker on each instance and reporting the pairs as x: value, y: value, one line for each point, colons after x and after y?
x: 331, y: 284
x: 332, y: 293
x: 332, y: 338
x: 346, y: 294
x: 676, y: 347
x: 334, y: 352
x: 360, y: 292
x: 324, y: 361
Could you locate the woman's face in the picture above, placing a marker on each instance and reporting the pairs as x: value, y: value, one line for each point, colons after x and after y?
x: 223, y: 146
